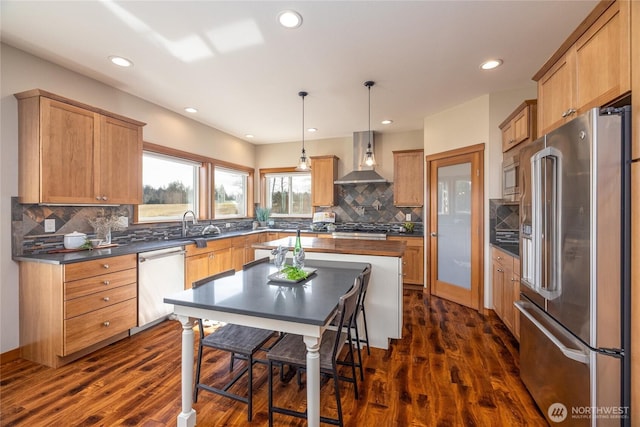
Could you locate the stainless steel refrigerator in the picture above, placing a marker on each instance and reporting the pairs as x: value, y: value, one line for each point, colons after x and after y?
x: 575, y: 285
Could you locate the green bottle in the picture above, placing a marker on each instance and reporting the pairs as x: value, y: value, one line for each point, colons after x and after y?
x: 298, y: 247
x: 298, y: 252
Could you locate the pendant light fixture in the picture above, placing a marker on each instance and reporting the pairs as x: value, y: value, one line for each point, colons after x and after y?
x: 369, y: 157
x: 303, y: 165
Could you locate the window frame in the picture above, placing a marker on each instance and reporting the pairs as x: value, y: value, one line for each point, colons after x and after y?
x: 264, y: 173
x: 206, y: 187
x: 248, y: 178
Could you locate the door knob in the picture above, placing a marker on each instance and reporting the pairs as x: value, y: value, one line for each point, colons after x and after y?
x: 434, y: 234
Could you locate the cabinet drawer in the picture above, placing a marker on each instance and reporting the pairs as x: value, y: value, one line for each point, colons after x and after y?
x: 98, y: 300
x: 90, y: 285
x: 96, y: 267
x: 91, y: 328
x: 499, y: 256
x: 212, y: 245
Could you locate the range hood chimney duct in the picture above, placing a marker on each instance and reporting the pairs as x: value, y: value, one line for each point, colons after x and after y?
x: 361, y: 174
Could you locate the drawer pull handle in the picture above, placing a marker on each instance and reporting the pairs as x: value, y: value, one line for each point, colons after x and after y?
x: 104, y: 198
x: 105, y: 265
x: 500, y: 271
x: 106, y: 324
x: 106, y: 299
x: 106, y: 282
x: 499, y: 257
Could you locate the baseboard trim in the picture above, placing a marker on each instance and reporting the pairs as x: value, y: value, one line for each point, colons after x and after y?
x: 9, y: 356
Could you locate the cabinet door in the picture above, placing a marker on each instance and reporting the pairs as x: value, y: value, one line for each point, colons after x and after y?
x: 498, y: 287
x: 602, y: 59
x: 521, y: 126
x: 408, y: 178
x: 120, y: 162
x: 195, y: 268
x: 324, y: 170
x: 68, y: 153
x: 556, y: 94
x: 508, y: 310
x: 221, y: 261
x: 507, y: 136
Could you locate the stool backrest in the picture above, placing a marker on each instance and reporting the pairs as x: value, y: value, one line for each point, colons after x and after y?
x: 216, y: 276
x: 346, y: 308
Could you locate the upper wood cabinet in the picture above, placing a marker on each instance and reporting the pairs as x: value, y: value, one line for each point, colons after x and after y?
x: 591, y: 69
x: 70, y: 153
x: 324, y: 170
x: 520, y: 126
x: 408, y: 178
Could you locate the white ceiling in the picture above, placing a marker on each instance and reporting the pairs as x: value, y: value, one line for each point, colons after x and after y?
x: 242, y: 71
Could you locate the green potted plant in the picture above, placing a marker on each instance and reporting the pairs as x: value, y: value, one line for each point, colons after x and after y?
x: 408, y: 226
x: 262, y: 215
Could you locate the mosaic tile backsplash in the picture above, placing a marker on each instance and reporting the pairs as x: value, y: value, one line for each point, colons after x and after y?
x: 367, y: 205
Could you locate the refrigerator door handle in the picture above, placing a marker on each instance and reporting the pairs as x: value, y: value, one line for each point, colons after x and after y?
x: 573, y: 354
x: 546, y: 223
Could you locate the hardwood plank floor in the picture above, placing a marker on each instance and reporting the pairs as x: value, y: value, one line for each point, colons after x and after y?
x: 453, y: 367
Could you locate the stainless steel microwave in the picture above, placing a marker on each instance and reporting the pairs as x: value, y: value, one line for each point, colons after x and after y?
x: 511, y: 178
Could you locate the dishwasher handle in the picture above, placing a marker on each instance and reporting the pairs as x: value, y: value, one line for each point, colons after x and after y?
x: 142, y: 258
x: 573, y: 354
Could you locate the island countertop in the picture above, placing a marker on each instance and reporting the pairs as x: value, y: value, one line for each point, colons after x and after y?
x: 391, y: 248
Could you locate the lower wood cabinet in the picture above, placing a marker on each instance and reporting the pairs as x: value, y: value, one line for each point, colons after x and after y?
x: 505, y: 279
x: 67, y: 311
x: 216, y: 257
x: 413, y: 260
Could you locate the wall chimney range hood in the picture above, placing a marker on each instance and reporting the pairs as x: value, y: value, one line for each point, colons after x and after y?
x: 361, y: 174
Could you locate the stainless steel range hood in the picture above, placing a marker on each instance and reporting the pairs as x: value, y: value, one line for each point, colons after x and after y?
x: 361, y: 174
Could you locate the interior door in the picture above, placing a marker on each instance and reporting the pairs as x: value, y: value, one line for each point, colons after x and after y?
x: 455, y: 184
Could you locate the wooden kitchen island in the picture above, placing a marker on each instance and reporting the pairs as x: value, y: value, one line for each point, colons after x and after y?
x: 384, y: 296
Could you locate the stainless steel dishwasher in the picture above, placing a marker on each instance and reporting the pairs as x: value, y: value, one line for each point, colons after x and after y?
x: 160, y: 273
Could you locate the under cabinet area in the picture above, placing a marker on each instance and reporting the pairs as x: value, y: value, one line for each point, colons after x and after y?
x: 71, y: 153
x: 505, y: 279
x: 593, y: 71
x: 408, y: 178
x: 67, y: 311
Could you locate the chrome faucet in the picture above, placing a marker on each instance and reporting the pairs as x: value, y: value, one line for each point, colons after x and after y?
x: 184, y: 222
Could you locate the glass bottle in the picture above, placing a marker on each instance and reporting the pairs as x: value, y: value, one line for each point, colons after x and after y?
x: 298, y: 252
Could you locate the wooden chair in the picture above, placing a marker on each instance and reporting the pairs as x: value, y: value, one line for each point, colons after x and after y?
x: 292, y: 351
x: 241, y: 341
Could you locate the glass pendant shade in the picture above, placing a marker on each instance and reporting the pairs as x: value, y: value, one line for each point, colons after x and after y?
x: 303, y: 164
x: 369, y: 157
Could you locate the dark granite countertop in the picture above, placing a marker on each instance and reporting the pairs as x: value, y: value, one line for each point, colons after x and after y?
x: 249, y: 292
x: 139, y: 247
x: 513, y: 250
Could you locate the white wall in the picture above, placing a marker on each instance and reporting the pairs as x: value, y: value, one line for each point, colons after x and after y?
x: 19, y: 72
x: 474, y: 122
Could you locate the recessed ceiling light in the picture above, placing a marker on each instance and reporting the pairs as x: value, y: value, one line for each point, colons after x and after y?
x: 491, y: 64
x: 248, y: 135
x: 190, y: 110
x: 386, y: 122
x: 120, y: 61
x: 290, y: 19
x: 312, y: 130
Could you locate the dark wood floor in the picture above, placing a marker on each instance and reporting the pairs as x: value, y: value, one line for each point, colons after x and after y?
x: 453, y: 367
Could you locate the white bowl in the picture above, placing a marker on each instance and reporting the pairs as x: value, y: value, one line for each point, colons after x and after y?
x: 74, y: 240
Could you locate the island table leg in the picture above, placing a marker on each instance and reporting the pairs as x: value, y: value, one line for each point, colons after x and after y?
x: 187, y: 418
x: 313, y: 380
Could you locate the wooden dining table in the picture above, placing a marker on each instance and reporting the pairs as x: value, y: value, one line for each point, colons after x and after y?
x: 250, y: 298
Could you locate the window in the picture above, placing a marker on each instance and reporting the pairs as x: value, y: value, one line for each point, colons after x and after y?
x: 288, y: 194
x: 230, y: 193
x: 170, y: 187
